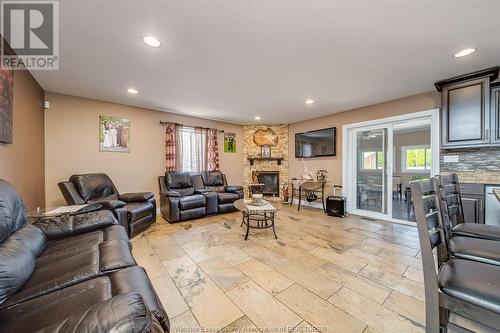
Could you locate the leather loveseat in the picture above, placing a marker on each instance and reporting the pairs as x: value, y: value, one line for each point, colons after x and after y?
x: 71, y: 274
x: 135, y: 211
x: 184, y: 195
x: 215, y: 181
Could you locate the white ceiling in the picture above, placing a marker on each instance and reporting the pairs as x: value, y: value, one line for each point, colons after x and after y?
x: 231, y: 59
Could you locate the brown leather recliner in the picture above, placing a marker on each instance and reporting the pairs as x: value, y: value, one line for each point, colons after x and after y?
x: 179, y: 201
x: 72, y: 273
x: 135, y: 211
x: 226, y: 195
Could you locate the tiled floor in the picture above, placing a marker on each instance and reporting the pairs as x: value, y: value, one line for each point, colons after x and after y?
x: 323, y: 274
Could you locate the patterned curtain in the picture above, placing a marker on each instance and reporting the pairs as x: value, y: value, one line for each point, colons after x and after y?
x: 212, y: 150
x: 170, y: 144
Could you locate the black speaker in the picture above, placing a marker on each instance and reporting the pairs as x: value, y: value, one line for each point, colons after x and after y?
x: 336, y: 204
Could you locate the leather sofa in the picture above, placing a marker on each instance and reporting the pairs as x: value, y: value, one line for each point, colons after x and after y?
x: 184, y: 195
x: 71, y: 274
x: 134, y: 211
x: 215, y: 181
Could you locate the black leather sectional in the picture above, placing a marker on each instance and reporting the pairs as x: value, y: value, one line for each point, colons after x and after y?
x: 134, y: 211
x: 71, y: 274
x: 186, y: 196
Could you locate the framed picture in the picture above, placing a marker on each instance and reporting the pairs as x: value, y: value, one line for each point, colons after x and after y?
x: 114, y: 134
x: 6, y: 100
x: 265, y: 151
x: 229, y: 142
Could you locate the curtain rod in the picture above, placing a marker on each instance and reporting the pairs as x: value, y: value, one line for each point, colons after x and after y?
x: 166, y: 122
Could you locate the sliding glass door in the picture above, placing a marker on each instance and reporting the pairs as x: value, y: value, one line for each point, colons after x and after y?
x: 380, y: 159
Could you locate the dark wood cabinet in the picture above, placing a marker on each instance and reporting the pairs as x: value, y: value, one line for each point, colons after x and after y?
x: 473, y: 202
x: 465, y: 109
x: 495, y: 114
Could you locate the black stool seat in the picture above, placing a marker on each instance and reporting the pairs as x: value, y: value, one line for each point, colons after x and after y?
x: 477, y: 230
x: 472, y: 282
x: 482, y: 250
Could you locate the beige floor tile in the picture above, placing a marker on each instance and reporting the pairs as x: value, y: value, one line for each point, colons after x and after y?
x: 401, y: 258
x: 368, y: 248
x: 242, y: 325
x: 198, y: 252
x: 372, y: 290
x: 304, y: 327
x: 369, y: 329
x: 390, y: 246
x: 263, y: 309
x: 348, y: 263
x: 169, y: 296
x: 406, y: 306
x: 266, y: 277
x: 377, y: 261
x: 372, y: 314
x: 184, y: 323
x: 291, y: 252
x: 167, y: 249
x: 318, y: 312
x: 225, y: 275
x: 318, y: 284
x: 231, y: 253
x: 147, y: 258
x: 393, y: 281
x: 210, y: 306
x: 183, y: 271
x: 265, y: 255
x: 414, y: 274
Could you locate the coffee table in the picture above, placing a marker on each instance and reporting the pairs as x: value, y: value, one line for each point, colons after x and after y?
x: 256, y: 217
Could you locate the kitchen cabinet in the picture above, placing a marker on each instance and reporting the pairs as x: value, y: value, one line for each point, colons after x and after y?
x: 473, y: 202
x: 495, y: 114
x: 465, y: 109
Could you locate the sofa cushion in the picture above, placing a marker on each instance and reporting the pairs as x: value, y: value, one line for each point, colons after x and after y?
x: 139, y: 210
x: 31, y: 237
x: 177, y: 180
x: 17, y: 263
x: 93, y: 186
x: 226, y: 197
x: 192, y: 201
x: 12, y: 213
x: 212, y: 178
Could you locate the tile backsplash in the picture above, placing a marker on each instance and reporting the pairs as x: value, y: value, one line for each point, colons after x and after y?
x: 474, y: 165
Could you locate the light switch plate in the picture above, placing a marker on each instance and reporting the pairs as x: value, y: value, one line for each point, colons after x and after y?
x: 450, y: 159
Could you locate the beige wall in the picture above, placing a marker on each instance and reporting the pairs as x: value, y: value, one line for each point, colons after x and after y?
x: 421, y: 102
x: 71, y: 136
x: 22, y: 162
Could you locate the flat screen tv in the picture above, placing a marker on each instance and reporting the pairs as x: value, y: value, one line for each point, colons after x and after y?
x: 316, y: 143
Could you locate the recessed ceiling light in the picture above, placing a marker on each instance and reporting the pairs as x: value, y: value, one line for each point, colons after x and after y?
x: 151, y: 41
x: 132, y: 91
x: 256, y: 117
x: 309, y: 101
x: 464, y: 53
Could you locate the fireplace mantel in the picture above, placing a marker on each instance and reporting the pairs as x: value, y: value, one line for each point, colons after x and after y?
x: 257, y: 158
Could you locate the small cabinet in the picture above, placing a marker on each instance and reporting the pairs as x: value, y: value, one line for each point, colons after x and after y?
x: 473, y: 202
x: 495, y: 114
x: 465, y: 109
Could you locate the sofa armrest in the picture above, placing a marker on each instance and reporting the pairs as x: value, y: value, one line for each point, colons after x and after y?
x: 173, y: 194
x: 233, y: 188
x: 136, y: 197
x: 70, y: 225
x: 121, y: 313
x: 202, y: 191
x: 111, y: 204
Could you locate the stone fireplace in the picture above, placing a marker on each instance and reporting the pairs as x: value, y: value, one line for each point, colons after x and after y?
x: 272, y: 172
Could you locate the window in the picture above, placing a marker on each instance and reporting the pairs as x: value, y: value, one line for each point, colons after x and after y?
x: 193, y: 156
x: 372, y: 160
x: 416, y: 159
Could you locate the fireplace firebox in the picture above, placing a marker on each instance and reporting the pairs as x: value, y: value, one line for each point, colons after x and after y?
x: 271, y: 181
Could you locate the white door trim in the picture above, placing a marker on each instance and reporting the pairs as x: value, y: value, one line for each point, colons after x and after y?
x: 347, y: 174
